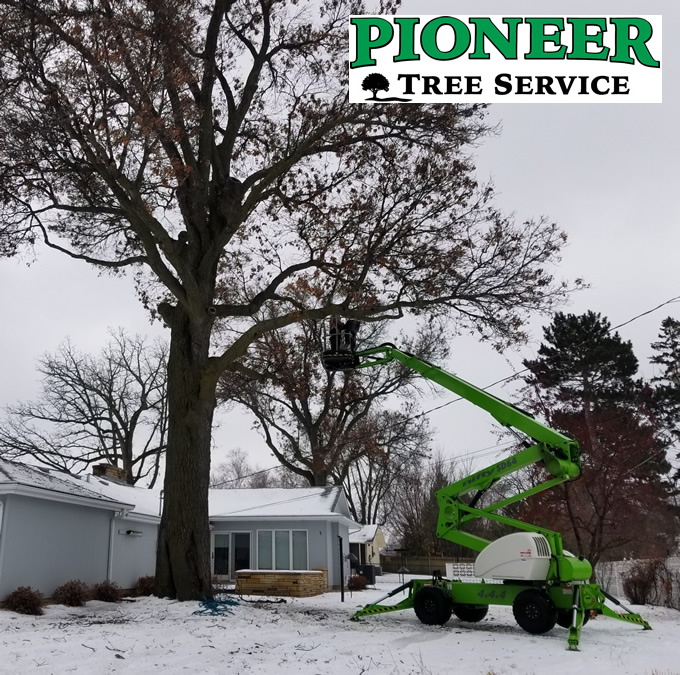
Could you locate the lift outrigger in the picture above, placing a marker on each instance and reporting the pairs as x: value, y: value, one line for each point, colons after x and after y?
x: 528, y: 570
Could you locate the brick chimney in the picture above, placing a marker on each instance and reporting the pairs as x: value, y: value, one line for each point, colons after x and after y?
x: 108, y: 471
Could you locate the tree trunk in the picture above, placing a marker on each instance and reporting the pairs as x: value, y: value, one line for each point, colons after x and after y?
x: 183, y: 558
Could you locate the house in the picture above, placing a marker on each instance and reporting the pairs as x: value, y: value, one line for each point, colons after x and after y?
x: 366, y: 544
x: 55, y: 527
x: 273, y: 538
x: 261, y: 530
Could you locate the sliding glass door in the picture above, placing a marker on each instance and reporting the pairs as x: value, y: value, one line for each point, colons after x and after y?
x: 221, y: 555
x: 230, y: 553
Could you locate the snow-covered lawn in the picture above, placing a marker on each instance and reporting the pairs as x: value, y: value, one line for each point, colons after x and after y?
x: 315, y: 635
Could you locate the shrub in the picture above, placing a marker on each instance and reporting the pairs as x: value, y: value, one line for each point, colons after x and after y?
x: 25, y: 601
x: 639, y: 584
x: 357, y: 582
x: 145, y: 585
x: 218, y: 586
x: 73, y: 593
x: 106, y: 591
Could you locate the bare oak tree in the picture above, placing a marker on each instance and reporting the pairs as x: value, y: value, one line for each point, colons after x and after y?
x: 209, y: 147
x: 110, y: 408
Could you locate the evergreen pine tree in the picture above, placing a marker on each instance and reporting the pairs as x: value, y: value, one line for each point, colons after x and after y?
x: 583, y: 381
x: 667, y: 383
x: 580, y: 360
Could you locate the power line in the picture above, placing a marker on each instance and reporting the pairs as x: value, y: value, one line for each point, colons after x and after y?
x: 649, y: 311
x: 478, y: 453
x: 524, y: 370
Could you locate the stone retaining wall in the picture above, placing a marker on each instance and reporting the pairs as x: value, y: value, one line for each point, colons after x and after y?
x: 296, y: 584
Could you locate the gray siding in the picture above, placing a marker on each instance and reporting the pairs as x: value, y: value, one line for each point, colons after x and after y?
x: 45, y: 543
x: 343, y: 531
x: 133, y: 556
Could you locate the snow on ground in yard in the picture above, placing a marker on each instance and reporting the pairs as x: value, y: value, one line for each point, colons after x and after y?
x: 315, y: 635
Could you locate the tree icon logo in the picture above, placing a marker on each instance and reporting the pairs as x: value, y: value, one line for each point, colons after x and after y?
x: 376, y: 82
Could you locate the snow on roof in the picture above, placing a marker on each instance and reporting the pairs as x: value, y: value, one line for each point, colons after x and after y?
x: 231, y: 503
x: 276, y: 502
x: 312, y: 502
x: 13, y: 473
x: 364, y: 535
x: 147, y: 501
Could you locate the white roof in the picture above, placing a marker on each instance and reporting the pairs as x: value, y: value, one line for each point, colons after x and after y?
x: 230, y: 504
x: 147, y: 502
x: 364, y: 535
x: 312, y: 502
x: 26, y: 479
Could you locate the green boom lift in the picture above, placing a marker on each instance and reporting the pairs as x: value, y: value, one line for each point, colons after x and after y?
x: 529, y: 569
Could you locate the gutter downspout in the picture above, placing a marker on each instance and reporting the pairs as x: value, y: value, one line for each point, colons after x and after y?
x: 4, y: 507
x: 112, y: 534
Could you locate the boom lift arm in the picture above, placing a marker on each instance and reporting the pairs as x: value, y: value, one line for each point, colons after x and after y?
x: 558, y: 453
x: 537, y: 573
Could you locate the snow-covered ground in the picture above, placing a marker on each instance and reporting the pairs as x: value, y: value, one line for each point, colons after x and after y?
x: 315, y: 635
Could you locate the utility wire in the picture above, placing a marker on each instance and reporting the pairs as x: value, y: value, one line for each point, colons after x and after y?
x: 477, y: 453
x: 524, y: 370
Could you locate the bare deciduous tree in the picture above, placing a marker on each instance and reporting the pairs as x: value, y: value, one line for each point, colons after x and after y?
x: 414, y: 515
x: 318, y: 424
x: 237, y: 472
x: 621, y: 506
x: 210, y: 148
x: 373, y: 484
x: 110, y: 408
x: 234, y: 472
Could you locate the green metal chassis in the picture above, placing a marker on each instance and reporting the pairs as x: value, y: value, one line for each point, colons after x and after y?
x: 578, y: 598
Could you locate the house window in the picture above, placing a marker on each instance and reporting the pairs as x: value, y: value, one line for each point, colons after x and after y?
x: 264, y: 550
x: 282, y: 549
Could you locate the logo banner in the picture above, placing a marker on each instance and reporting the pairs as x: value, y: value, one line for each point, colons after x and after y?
x: 505, y: 59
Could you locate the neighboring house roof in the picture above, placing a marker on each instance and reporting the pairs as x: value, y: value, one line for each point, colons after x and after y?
x: 279, y: 503
x: 363, y: 536
x: 16, y: 478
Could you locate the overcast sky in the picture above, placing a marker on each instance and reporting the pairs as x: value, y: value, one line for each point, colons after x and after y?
x: 607, y: 174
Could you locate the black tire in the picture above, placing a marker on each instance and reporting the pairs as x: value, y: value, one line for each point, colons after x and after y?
x: 564, y: 617
x: 534, y: 611
x: 432, y: 605
x: 470, y: 612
